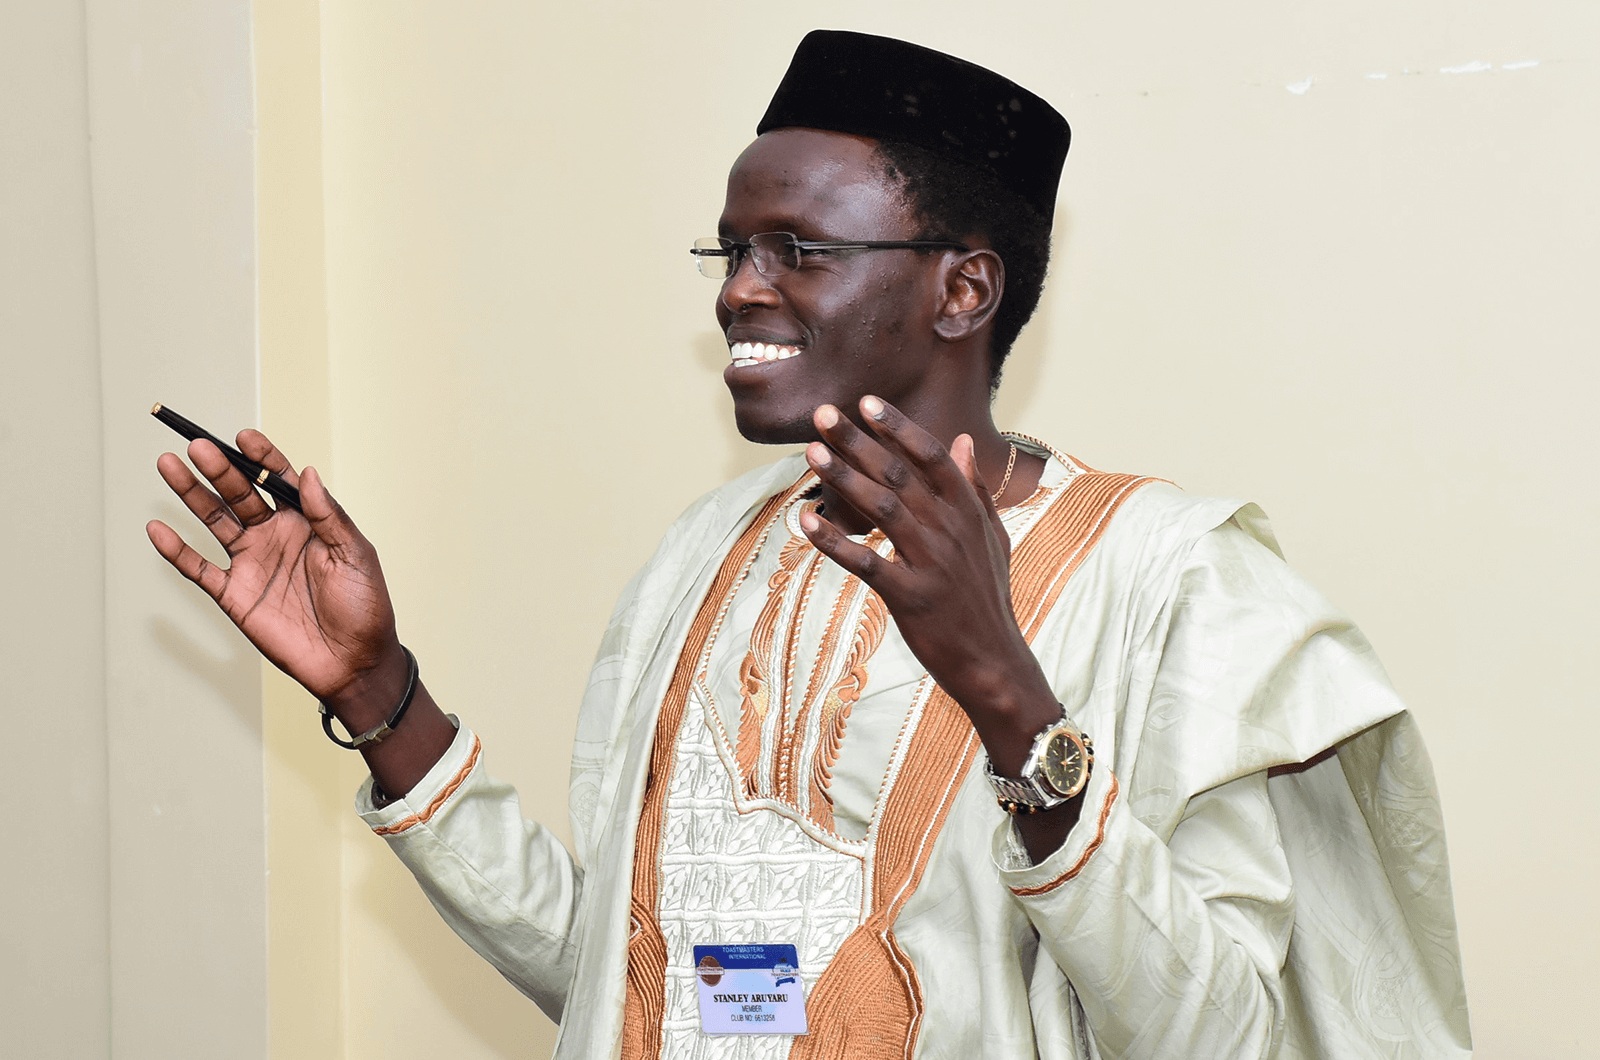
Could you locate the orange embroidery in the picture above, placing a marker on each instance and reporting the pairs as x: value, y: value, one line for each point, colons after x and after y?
x: 1072, y: 528
x: 819, y: 801
x: 769, y: 754
x: 752, y: 712
x: 755, y: 682
x: 830, y: 635
x: 836, y: 706
x: 1083, y: 859
x: 788, y: 728
x: 427, y: 812
x: 647, y: 948
x: 647, y: 985
x: 868, y: 1002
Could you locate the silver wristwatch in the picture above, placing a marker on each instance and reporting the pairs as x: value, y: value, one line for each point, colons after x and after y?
x: 1057, y: 769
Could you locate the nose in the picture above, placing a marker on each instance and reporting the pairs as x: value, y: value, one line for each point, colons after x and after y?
x: 746, y: 288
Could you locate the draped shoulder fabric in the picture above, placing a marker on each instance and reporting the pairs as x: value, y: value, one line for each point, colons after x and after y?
x: 1259, y: 869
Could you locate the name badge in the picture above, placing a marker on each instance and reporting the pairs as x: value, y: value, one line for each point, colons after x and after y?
x: 753, y: 989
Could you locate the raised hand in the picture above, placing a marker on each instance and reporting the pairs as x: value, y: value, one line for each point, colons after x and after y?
x: 948, y: 582
x: 306, y: 590
x: 309, y: 593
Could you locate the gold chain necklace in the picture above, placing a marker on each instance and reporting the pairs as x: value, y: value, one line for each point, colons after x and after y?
x: 1011, y: 465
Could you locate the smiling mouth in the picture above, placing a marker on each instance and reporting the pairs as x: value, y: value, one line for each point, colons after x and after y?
x: 745, y: 354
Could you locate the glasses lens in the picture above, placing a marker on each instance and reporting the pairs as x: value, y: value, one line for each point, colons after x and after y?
x: 775, y: 252
x: 714, y: 257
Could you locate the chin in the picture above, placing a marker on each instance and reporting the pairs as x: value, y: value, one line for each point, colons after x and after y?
x: 765, y: 430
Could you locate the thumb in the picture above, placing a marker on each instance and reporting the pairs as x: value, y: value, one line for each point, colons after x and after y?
x: 966, y: 459
x: 328, y: 520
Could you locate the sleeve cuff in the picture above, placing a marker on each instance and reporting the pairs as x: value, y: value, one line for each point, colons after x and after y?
x: 430, y: 794
x: 1025, y: 879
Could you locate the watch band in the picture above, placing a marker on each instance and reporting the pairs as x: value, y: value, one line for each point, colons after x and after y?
x: 1030, y: 792
x: 1022, y: 795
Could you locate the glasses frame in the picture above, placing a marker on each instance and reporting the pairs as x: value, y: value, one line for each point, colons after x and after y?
x: 728, y: 248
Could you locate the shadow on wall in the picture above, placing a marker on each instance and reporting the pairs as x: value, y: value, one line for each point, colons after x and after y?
x: 220, y: 673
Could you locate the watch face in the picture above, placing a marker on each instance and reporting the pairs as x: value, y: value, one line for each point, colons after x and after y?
x: 1063, y: 765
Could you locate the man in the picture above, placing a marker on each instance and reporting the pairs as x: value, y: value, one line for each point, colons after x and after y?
x: 843, y: 718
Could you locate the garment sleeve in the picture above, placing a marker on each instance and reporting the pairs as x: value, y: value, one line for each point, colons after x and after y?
x: 1171, y: 905
x: 1173, y: 948
x: 506, y: 885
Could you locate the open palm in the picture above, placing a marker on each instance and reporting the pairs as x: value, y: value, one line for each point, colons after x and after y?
x: 306, y: 589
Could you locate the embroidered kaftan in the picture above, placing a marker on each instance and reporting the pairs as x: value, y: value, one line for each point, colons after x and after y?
x: 1228, y: 892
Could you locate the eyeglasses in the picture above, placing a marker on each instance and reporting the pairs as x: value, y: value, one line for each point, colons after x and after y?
x: 777, y: 253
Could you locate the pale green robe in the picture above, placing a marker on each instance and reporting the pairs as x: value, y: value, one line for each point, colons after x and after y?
x: 1235, y: 902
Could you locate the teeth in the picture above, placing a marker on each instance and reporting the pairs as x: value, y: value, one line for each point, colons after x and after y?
x: 744, y: 354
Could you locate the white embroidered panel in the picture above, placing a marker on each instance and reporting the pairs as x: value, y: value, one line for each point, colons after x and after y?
x: 728, y: 877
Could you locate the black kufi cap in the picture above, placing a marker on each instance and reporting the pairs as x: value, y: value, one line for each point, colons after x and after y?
x: 888, y: 89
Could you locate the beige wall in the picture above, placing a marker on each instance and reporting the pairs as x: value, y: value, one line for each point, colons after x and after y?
x: 171, y: 123
x: 133, y: 904
x: 1363, y: 304
x: 307, y: 788
x: 54, y: 983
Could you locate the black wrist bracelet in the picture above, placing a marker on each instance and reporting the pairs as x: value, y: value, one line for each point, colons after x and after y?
x: 383, y: 728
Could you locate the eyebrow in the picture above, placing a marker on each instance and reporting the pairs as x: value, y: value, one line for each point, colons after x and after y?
x: 795, y: 228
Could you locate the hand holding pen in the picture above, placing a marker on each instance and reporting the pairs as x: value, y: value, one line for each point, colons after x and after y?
x: 305, y: 586
x: 259, y: 475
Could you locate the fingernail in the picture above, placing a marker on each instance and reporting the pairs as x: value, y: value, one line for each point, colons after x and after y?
x: 819, y: 455
x: 872, y: 407
x: 827, y: 416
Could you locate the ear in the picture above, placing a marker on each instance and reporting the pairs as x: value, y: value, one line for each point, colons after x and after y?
x: 973, y: 284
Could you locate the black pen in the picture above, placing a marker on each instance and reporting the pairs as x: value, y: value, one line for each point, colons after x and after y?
x: 258, y: 475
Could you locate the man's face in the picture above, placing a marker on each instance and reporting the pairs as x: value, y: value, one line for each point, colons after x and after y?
x: 860, y: 321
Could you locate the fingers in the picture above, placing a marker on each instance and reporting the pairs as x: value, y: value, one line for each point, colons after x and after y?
x: 878, y: 483
x: 877, y: 503
x: 259, y: 447
x: 206, y: 506
x: 325, y: 515
x: 897, y: 466
x: 241, y: 497
x: 878, y: 573
x: 862, y: 450
x: 915, y: 445
x: 327, y: 518
x: 965, y: 455
x: 190, y: 564
x: 966, y: 459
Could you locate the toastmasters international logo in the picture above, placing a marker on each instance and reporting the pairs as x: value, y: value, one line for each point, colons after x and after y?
x: 709, y: 970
